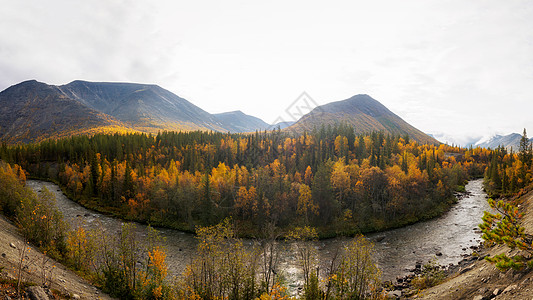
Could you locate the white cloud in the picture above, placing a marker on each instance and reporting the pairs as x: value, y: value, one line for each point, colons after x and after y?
x: 462, y: 68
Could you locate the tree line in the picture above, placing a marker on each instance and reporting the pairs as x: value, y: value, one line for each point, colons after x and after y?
x: 510, y: 171
x: 330, y: 178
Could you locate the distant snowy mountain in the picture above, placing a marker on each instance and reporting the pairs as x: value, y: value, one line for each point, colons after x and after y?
x: 510, y: 141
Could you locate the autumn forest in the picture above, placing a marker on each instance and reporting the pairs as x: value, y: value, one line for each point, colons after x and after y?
x: 329, y: 178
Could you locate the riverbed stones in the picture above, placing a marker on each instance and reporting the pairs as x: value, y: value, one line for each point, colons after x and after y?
x: 496, y: 292
x: 465, y: 269
x: 12, y: 246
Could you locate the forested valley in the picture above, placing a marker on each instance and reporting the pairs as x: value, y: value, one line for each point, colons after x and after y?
x: 330, y: 178
x: 267, y: 185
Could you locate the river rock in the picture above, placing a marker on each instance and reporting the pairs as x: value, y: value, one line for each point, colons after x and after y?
x: 12, y: 246
x: 37, y: 293
x: 439, y: 254
x: 496, y: 292
x: 76, y: 296
x: 478, y: 297
x: 510, y: 288
x: 394, y: 294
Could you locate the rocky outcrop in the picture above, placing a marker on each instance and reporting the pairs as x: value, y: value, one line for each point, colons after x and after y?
x: 37, y: 293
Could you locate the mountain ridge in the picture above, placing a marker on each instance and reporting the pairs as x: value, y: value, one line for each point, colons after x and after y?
x: 365, y: 114
x: 143, y: 106
x: 47, y: 111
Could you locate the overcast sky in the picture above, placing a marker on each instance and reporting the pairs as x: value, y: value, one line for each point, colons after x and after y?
x: 456, y: 68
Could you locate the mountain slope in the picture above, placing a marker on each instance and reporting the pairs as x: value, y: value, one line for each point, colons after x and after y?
x: 283, y: 124
x: 144, y: 107
x: 32, y: 111
x: 365, y: 114
x: 237, y: 121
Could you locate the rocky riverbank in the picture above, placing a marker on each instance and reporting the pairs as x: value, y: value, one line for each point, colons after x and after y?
x: 477, y: 279
x: 409, y: 285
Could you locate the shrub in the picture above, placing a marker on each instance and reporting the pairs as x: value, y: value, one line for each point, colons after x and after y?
x: 431, y: 275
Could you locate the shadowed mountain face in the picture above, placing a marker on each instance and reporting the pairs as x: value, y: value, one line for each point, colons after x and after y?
x: 362, y: 112
x: 237, y: 121
x: 32, y: 111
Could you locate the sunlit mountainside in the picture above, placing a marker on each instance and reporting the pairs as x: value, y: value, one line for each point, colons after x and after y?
x: 365, y: 114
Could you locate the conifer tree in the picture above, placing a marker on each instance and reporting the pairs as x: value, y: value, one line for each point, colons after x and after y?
x: 503, y: 228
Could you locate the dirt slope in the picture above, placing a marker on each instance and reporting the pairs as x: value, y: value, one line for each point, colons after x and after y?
x: 63, y: 280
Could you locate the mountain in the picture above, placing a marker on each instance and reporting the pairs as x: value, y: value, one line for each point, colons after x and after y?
x: 283, y: 124
x: 32, y: 111
x: 365, y: 114
x: 144, y: 107
x: 510, y: 141
x: 237, y: 121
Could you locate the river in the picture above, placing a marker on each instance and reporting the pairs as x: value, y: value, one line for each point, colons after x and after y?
x: 397, y: 250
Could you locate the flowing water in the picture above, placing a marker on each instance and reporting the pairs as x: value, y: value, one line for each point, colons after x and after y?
x: 397, y: 250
